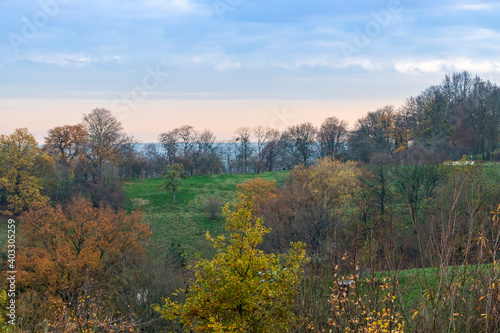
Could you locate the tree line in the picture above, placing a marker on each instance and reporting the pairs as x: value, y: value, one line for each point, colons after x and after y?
x: 461, y: 116
x: 360, y: 203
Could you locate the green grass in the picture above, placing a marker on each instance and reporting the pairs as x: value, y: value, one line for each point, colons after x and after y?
x: 182, y: 225
x: 414, y: 283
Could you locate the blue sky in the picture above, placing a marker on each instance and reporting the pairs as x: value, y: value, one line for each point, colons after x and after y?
x: 231, y: 62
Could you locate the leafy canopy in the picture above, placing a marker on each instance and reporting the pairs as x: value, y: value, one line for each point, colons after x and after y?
x: 20, y: 159
x: 61, y: 247
x: 242, y: 289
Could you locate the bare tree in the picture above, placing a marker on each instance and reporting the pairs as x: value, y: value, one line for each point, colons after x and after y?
x: 301, y: 142
x: 261, y: 134
x: 208, y: 159
x: 187, y: 136
x: 105, y: 134
x: 332, y: 137
x: 245, y: 149
x: 272, y: 149
x: 170, y: 142
x: 206, y: 142
x: 155, y: 160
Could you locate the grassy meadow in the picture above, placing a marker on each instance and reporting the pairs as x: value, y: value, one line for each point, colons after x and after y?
x: 181, y: 226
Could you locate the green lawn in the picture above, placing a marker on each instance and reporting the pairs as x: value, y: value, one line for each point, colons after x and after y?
x: 182, y: 225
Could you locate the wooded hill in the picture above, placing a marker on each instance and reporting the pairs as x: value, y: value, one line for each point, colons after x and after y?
x: 368, y: 229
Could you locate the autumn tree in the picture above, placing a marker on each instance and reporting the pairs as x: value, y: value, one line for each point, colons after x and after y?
x: 294, y: 215
x: 93, y: 312
x: 257, y: 190
x: 459, y: 116
x: 62, y: 248
x: 20, y: 161
x: 3, y: 311
x: 483, y: 118
x: 66, y: 143
x: 256, y: 187
x: 334, y: 185
x: 242, y: 289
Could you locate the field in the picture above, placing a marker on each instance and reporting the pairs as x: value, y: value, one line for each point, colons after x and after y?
x: 181, y: 226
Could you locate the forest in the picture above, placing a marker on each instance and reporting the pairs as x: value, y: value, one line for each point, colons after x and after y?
x: 391, y: 224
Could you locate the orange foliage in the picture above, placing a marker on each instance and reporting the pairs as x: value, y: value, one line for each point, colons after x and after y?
x: 60, y: 247
x: 66, y: 143
x: 257, y: 190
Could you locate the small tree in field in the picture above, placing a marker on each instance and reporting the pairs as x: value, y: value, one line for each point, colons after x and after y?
x: 241, y: 289
x: 173, y: 177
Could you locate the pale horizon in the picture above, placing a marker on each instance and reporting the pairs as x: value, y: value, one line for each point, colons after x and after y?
x: 151, y: 118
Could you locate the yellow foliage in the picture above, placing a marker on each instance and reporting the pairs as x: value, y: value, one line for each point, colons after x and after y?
x: 370, y: 311
x: 242, y: 289
x: 18, y: 153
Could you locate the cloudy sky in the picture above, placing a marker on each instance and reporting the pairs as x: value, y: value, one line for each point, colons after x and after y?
x: 228, y: 63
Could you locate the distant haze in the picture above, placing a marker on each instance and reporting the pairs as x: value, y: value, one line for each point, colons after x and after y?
x: 154, y: 117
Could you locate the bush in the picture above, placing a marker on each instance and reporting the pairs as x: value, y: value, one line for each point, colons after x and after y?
x: 213, y: 207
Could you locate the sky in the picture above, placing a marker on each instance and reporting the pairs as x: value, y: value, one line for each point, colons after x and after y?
x: 223, y: 64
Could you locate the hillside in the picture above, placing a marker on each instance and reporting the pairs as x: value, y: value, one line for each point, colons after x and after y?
x: 181, y: 226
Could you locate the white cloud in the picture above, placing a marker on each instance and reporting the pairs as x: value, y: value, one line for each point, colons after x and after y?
x: 72, y: 59
x: 227, y: 65
x: 217, y: 59
x: 61, y: 59
x: 362, y: 62
x: 331, y: 62
x: 447, y: 65
x: 474, y: 6
x: 426, y: 66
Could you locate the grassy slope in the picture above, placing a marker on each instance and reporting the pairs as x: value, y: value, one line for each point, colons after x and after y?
x: 185, y: 222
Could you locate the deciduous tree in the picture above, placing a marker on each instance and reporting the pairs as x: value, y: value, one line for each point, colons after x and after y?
x: 244, y: 148
x: 241, y: 289
x: 173, y: 177
x: 66, y: 143
x: 332, y: 137
x: 60, y: 247
x: 300, y: 141
x: 105, y: 134
x: 20, y: 157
